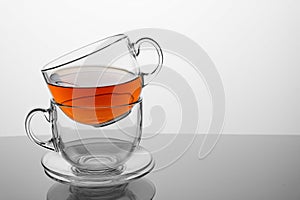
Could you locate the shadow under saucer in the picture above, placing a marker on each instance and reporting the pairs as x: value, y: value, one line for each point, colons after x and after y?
x: 142, y: 189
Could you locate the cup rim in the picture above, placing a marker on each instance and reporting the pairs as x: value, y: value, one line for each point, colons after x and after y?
x: 52, y: 101
x: 48, y: 66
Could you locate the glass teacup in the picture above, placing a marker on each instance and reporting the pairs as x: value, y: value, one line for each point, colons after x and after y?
x: 88, y: 148
x: 102, y: 74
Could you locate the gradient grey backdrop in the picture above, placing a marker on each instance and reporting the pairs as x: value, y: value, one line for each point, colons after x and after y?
x: 255, y: 46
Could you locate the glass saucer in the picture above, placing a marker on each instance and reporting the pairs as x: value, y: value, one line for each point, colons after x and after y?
x: 139, y: 164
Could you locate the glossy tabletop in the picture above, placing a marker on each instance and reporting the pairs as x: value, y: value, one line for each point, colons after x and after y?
x: 239, y: 167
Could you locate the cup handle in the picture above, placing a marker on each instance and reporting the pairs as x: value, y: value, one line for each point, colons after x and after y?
x: 48, y: 144
x: 149, y: 76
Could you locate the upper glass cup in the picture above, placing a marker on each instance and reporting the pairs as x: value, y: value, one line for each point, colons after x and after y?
x: 103, y: 73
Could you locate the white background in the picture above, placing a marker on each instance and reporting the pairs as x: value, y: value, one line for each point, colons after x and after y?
x: 254, y: 44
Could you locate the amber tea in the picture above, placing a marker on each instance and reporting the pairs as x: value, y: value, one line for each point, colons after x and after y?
x: 75, y: 87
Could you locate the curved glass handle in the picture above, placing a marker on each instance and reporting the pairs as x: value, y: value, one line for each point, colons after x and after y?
x: 48, y: 144
x: 149, y: 76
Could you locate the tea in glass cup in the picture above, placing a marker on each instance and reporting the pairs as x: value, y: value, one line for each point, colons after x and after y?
x: 74, y: 87
x: 102, y: 74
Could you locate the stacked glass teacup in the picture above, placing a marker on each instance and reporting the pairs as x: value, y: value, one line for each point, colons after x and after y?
x: 96, y: 113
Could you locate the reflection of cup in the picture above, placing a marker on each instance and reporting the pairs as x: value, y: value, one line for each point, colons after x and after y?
x: 87, y: 148
x: 136, y: 190
x: 104, y: 73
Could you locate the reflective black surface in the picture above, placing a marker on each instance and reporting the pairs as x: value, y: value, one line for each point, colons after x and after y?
x: 240, y: 167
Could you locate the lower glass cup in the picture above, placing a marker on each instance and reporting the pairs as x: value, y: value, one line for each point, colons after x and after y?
x: 97, y: 148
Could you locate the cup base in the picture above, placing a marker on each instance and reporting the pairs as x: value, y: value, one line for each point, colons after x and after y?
x: 97, y: 154
x: 107, y: 171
